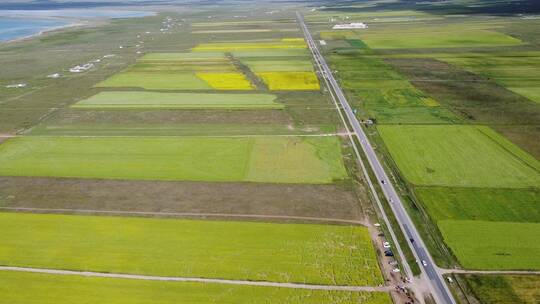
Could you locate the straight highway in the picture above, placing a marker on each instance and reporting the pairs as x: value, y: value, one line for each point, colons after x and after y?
x: 437, y: 286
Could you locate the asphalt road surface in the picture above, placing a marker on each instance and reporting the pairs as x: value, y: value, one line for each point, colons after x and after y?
x: 437, y: 286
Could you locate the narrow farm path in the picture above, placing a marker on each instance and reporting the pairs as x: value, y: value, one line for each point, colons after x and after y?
x: 4, y: 137
x: 188, y: 214
x: 205, y: 136
x: 199, y: 280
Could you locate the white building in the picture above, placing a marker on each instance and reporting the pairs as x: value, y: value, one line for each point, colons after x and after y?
x: 17, y: 85
x: 349, y: 26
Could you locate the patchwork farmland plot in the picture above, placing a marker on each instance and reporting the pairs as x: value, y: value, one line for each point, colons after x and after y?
x: 290, y: 80
x: 436, y: 92
x: 475, y: 98
x: 516, y: 71
x: 251, y: 45
x: 493, y: 289
x: 249, y: 23
x: 155, y: 81
x: 485, y: 204
x: 159, y: 136
x: 181, y: 71
x: 226, y: 81
x: 458, y: 156
x: 503, y: 220
x: 264, y: 65
x: 262, y: 53
x: 154, y: 100
x: 307, y: 160
x: 165, y: 129
x: 266, y: 60
x: 313, y: 254
x: 19, y: 288
x: 386, y: 95
x: 463, y: 35
x: 493, y: 245
x: 372, y: 16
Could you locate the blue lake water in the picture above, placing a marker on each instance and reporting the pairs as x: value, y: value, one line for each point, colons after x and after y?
x: 12, y: 28
x: 21, y: 23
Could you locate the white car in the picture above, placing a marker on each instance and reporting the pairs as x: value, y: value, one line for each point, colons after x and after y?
x: 424, y: 263
x: 386, y: 245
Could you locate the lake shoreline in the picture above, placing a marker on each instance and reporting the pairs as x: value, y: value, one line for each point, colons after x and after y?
x: 69, y: 22
x: 47, y: 31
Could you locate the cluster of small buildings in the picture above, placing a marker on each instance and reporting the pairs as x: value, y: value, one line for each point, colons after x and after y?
x: 81, y: 68
x: 167, y: 25
x: 87, y: 66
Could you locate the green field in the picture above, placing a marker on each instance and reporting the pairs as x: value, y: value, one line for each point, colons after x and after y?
x: 532, y: 93
x: 493, y: 245
x: 284, y: 44
x: 376, y: 14
x: 519, y: 72
x: 303, y: 53
x: 260, y: 159
x: 24, y: 288
x: 316, y: 254
x: 485, y: 204
x: 294, y: 65
x: 180, y: 71
x: 459, y: 156
x: 493, y: 289
x: 451, y: 37
x: 167, y: 129
x: 486, y: 227
x: 155, y: 81
x: 154, y: 100
x: 159, y: 57
x: 386, y: 95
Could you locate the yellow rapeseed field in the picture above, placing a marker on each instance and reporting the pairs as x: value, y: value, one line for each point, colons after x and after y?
x: 430, y: 102
x: 290, y: 80
x: 296, y: 40
x: 226, y: 81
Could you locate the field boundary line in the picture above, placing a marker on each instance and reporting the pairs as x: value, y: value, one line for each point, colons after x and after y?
x: 509, y: 151
x: 489, y: 272
x: 194, y: 135
x: 185, y: 214
x: 198, y: 280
